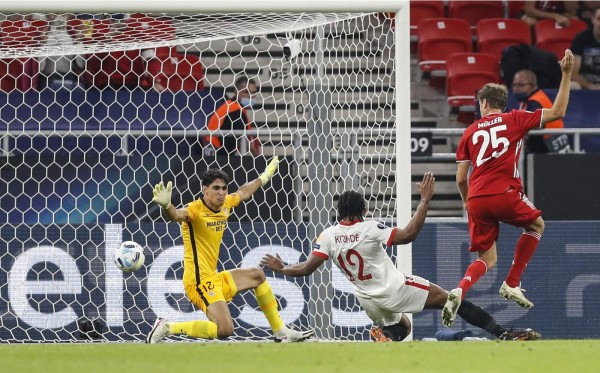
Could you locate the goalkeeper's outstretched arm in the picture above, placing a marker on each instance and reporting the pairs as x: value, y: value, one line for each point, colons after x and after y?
x: 162, y: 197
x: 246, y: 190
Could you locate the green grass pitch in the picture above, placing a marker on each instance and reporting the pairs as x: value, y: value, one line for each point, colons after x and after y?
x: 491, y: 356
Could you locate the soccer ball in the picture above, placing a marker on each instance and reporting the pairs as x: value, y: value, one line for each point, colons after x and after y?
x: 129, y: 256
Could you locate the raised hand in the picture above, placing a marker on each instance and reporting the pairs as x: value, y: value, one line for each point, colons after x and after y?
x: 567, y: 62
x: 162, y: 194
x: 427, y: 186
x: 269, y: 171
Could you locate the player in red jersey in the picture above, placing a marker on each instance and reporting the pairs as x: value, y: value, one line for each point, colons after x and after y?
x: 494, y: 192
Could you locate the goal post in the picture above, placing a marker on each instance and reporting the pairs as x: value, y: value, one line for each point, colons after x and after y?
x: 191, y: 7
x: 79, y: 155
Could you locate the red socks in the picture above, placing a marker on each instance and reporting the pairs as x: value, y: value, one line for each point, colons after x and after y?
x: 477, y: 269
x: 525, y: 248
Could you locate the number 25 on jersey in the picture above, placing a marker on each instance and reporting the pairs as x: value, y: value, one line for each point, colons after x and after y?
x: 492, y: 138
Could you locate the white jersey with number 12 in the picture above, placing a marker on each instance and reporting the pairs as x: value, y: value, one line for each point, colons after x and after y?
x: 357, y: 249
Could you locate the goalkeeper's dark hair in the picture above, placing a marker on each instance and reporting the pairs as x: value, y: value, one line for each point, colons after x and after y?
x: 212, y: 175
x: 351, y: 205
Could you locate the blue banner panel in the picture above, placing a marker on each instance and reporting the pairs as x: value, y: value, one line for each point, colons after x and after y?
x: 107, y: 109
x: 53, y: 275
x: 98, y: 188
x: 581, y: 113
x: 562, y: 279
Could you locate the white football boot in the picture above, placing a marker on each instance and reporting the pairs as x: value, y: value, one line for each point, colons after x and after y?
x: 287, y: 335
x: 515, y: 294
x: 451, y: 307
x: 159, y: 331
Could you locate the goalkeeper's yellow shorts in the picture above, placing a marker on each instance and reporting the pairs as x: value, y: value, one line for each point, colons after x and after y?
x: 213, y: 288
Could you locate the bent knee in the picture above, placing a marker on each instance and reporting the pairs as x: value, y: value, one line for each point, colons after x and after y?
x: 405, y: 322
x: 491, y: 263
x: 224, y: 331
x: 539, y: 225
x: 258, y: 275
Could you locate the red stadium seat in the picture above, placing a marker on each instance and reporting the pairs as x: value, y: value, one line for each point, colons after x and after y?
x: 554, y: 38
x: 21, y: 73
x: 420, y: 10
x: 128, y: 68
x: 23, y: 33
x: 179, y: 72
x: 119, y: 68
x: 495, y: 34
x: 474, y: 11
x: 467, y: 73
x: 89, y: 30
x: 140, y: 27
x: 439, y: 38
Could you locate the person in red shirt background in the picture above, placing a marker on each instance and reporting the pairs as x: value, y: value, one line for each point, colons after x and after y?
x: 494, y: 192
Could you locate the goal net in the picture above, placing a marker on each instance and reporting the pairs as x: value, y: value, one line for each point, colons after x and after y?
x: 97, y: 108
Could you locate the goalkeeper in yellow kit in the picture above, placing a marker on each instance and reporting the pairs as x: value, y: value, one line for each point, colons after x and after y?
x: 203, y: 223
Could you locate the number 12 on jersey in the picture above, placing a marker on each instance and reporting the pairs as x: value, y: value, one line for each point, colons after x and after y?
x: 360, y: 263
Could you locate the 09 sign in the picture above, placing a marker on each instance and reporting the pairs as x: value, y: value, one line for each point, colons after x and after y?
x: 421, y: 144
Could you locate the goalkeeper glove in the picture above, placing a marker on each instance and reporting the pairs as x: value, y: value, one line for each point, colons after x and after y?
x: 269, y: 171
x: 162, y: 194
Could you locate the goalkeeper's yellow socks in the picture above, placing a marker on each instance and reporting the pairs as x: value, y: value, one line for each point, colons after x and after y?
x: 196, y: 329
x: 268, y: 304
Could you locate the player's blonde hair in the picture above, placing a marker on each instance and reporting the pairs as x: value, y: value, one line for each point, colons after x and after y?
x: 495, y: 94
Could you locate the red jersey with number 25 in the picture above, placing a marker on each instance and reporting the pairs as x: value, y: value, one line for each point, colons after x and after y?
x: 492, y: 145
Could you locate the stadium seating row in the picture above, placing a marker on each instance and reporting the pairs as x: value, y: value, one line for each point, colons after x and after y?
x: 446, y: 44
x: 165, y: 67
x: 470, y: 11
x: 439, y: 37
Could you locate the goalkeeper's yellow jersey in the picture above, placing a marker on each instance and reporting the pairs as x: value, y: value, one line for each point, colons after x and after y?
x: 202, y: 237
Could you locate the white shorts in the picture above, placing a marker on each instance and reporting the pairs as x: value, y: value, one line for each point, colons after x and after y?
x: 410, y: 298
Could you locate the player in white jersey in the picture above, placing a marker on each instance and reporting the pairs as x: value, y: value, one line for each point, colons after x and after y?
x: 356, y: 247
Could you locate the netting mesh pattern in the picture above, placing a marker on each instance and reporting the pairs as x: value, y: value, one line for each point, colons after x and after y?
x: 82, y: 148
x: 24, y: 35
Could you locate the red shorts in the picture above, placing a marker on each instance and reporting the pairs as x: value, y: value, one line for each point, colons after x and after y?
x: 486, y: 212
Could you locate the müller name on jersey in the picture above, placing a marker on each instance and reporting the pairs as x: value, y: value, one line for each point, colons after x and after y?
x: 490, y: 122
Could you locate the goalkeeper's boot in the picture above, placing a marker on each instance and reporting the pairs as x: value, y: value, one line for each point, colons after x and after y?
x: 451, y: 307
x: 378, y: 335
x: 287, y: 335
x: 515, y: 294
x: 159, y: 331
x: 520, y: 335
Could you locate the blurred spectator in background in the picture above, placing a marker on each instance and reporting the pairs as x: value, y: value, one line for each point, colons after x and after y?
x: 531, y: 98
x: 586, y: 48
x: 233, y: 115
x: 62, y: 70
x: 586, y: 10
x: 560, y: 11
